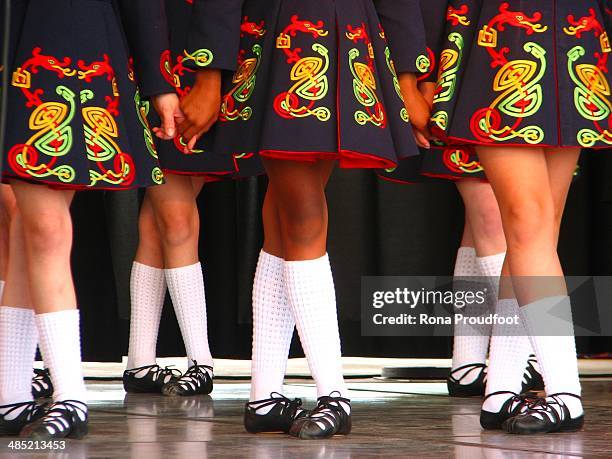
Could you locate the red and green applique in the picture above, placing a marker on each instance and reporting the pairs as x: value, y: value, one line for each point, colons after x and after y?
x: 516, y: 81
x: 51, y: 122
x: 309, y: 73
x: 592, y: 91
x: 364, y: 80
x: 458, y: 161
x: 201, y: 58
x: 234, y: 106
x: 449, y: 64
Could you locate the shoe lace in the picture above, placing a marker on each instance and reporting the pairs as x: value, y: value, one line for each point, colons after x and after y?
x: 31, y: 407
x: 517, y: 401
x: 329, y: 410
x: 195, y: 375
x: 288, y: 406
x: 168, y: 370
x: 468, y: 369
x: 55, y: 418
x: 541, y: 407
x: 41, y: 378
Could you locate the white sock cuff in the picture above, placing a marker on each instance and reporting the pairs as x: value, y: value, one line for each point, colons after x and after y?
x: 138, y: 265
x: 17, y: 313
x: 465, y: 263
x: 269, y: 258
x: 66, y: 314
x: 465, y: 251
x: 308, y: 264
x: 183, y: 269
x: 138, y: 268
x: 491, y: 265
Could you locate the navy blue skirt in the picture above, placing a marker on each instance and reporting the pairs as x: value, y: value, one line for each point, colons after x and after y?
x: 315, y: 80
x: 75, y: 117
x: 525, y: 72
x: 445, y: 163
x: 203, y: 160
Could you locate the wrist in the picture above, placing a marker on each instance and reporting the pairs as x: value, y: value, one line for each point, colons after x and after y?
x: 208, y: 76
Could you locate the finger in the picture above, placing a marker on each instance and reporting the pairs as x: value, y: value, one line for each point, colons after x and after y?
x: 183, y: 126
x: 192, y: 143
x: 179, y: 117
x: 421, y: 140
x: 168, y: 125
x: 159, y: 133
x: 190, y: 132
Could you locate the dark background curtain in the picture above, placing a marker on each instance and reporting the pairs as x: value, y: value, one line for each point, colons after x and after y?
x: 376, y: 228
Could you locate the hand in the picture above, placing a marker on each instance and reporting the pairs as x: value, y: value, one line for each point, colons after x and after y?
x: 168, y: 108
x: 201, y: 106
x: 419, y: 109
x: 428, y: 89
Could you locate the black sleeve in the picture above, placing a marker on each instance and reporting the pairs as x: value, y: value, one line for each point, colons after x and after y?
x: 434, y: 18
x: 403, y: 24
x: 146, y: 28
x: 213, y: 40
x: 17, y: 13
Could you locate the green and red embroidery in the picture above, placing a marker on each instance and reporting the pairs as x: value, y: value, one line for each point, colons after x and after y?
x: 234, y: 106
x: 364, y: 80
x: 516, y: 81
x: 52, y: 139
x: 309, y: 73
x: 592, y: 91
x: 458, y: 161
x: 450, y: 61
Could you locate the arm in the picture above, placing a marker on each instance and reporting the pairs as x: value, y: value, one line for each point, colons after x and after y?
x: 146, y: 30
x: 212, y: 46
x: 17, y: 13
x: 214, y: 34
x: 403, y: 24
x: 405, y: 32
x: 434, y: 19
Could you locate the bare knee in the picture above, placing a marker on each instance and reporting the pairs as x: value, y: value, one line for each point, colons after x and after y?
x: 177, y: 225
x: 304, y: 222
x: 487, y: 223
x: 529, y: 221
x: 48, y: 232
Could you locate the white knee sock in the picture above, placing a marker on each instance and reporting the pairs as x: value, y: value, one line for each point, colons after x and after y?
x: 17, y: 350
x: 60, y: 346
x: 469, y: 344
x: 510, y: 350
x: 312, y: 297
x: 273, y: 327
x: 186, y: 286
x: 148, y: 290
x: 490, y: 267
x: 556, y: 354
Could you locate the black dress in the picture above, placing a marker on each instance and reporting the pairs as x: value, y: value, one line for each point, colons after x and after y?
x: 517, y: 73
x: 440, y: 162
x: 76, y: 118
x: 202, y: 160
x: 526, y: 73
x: 313, y: 79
